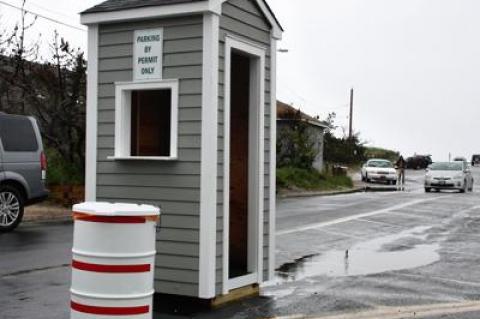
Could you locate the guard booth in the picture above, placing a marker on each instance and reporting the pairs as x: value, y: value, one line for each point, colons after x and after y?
x: 181, y: 114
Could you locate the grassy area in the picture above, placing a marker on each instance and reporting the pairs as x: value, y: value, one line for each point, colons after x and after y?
x: 291, y: 178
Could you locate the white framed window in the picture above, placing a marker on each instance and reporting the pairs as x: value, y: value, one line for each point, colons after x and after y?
x: 146, y: 120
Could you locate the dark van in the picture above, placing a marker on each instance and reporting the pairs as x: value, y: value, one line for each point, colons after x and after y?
x: 476, y: 160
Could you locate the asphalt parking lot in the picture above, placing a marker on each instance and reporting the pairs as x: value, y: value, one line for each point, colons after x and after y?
x: 365, y: 253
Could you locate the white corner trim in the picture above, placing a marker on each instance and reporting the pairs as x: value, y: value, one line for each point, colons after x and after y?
x: 208, y: 180
x: 260, y: 53
x: 92, y: 116
x: 226, y: 170
x: 150, y: 12
x: 273, y: 159
x: 123, y: 115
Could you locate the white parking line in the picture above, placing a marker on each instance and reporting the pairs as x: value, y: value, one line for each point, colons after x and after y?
x: 422, y: 311
x: 358, y: 216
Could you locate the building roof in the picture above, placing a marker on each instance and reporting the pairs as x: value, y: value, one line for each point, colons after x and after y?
x: 117, y: 5
x: 286, y: 112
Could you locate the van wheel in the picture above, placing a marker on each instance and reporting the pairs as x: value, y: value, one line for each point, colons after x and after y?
x: 11, y: 208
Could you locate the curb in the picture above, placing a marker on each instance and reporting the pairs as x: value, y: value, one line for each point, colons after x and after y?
x: 323, y: 194
x: 358, y: 189
x: 381, y: 189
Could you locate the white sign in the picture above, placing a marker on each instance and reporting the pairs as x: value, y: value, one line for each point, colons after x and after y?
x: 147, y: 54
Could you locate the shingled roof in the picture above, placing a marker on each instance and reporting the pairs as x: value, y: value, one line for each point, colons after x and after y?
x: 116, y: 5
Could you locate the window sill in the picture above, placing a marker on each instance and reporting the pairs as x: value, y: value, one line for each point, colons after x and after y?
x: 142, y: 158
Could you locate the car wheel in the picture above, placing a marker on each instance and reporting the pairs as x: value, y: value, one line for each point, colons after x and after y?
x: 11, y: 208
x: 427, y: 190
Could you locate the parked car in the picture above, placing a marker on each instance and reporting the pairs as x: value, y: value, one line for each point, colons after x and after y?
x: 460, y: 159
x: 449, y: 175
x: 476, y: 160
x: 23, y: 168
x: 379, y: 170
x: 419, y: 161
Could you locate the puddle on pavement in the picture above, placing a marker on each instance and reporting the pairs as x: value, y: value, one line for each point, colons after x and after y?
x: 405, y: 250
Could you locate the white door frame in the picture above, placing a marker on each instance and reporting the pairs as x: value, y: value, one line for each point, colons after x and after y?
x: 256, y: 156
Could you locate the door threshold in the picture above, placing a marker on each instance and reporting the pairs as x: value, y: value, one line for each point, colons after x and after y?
x: 242, y: 281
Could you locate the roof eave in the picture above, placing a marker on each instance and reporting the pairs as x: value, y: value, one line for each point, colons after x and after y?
x: 150, y: 12
x: 277, y: 30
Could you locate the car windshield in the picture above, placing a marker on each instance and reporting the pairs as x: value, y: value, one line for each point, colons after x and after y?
x: 380, y: 164
x: 448, y: 166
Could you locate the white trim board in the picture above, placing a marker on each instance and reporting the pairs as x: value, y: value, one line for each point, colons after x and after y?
x: 273, y: 159
x: 208, y: 180
x: 92, y: 115
x: 256, y: 186
x: 150, y: 12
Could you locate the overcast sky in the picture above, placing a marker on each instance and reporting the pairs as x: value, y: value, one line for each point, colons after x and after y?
x: 414, y: 64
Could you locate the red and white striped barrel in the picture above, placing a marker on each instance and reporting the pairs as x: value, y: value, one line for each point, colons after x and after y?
x: 113, y: 260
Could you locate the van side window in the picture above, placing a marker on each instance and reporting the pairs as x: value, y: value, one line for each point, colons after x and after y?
x: 17, y: 134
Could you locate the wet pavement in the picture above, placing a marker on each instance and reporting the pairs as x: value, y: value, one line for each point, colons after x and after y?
x: 363, y: 252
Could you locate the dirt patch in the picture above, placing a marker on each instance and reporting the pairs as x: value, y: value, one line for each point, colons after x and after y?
x: 46, y: 212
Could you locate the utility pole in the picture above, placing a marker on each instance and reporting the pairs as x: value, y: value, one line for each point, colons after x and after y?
x: 350, y: 129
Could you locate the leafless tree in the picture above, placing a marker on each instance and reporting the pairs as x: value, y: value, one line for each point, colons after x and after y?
x: 52, y: 90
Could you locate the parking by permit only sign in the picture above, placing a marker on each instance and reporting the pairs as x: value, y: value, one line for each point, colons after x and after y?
x: 147, y: 57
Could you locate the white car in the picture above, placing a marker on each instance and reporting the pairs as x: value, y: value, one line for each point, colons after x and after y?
x: 379, y: 170
x: 449, y: 175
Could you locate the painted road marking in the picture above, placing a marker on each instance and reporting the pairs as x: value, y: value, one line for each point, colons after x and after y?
x: 358, y: 216
x: 424, y: 311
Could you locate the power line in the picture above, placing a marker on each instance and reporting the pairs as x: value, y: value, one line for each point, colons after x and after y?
x: 43, y: 16
x: 33, y: 3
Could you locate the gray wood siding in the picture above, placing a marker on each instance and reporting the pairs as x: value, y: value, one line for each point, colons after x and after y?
x: 175, y: 185
x: 243, y: 19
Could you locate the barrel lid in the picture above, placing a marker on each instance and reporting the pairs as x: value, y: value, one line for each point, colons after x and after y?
x: 115, y: 209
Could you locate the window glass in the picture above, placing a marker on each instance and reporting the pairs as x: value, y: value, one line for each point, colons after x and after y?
x: 447, y: 166
x: 380, y: 164
x: 151, y: 123
x: 17, y: 134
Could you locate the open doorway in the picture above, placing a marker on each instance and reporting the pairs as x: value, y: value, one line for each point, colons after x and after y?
x: 243, y: 179
x: 239, y: 164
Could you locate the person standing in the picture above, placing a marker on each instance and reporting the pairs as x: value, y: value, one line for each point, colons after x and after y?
x: 401, y: 165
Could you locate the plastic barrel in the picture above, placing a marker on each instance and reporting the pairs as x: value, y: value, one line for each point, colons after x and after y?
x: 113, y: 260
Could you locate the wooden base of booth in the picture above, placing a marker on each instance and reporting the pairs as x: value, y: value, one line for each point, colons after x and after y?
x: 181, y: 305
x: 236, y: 295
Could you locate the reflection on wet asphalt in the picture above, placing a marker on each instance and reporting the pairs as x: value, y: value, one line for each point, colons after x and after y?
x: 408, y: 249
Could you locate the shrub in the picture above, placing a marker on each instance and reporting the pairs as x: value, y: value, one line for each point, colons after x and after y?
x: 61, y: 172
x: 377, y: 152
x: 295, y: 143
x: 310, y: 179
